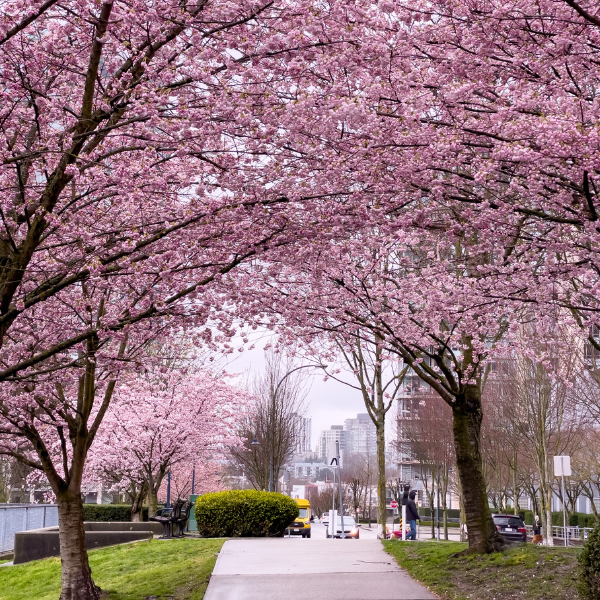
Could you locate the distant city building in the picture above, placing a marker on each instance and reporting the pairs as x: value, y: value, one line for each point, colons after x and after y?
x: 356, y: 436
x: 335, y: 434
x: 409, y: 400
x: 308, y: 469
x: 361, y: 436
x: 303, y: 434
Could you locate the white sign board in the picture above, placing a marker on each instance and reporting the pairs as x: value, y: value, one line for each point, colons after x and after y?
x: 332, y: 457
x: 562, y: 466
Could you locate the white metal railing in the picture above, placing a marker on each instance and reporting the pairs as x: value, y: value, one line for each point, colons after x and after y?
x: 573, y: 533
x: 23, y: 517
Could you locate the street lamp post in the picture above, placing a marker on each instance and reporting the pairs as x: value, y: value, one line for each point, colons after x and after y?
x: 272, y: 484
x: 169, y: 488
x: 437, y: 511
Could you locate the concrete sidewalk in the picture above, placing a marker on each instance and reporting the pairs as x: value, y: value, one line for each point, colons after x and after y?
x: 312, y: 569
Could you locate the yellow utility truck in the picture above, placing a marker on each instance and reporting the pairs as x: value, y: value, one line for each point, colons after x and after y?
x: 301, y: 526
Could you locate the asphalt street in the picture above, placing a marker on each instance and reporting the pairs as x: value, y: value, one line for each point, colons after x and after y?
x: 310, y: 569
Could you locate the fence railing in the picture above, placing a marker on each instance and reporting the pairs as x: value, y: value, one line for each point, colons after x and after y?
x: 573, y: 533
x: 23, y: 517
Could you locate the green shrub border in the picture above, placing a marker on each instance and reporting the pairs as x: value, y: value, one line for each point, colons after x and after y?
x: 244, y: 513
x: 110, y: 512
x: 589, y: 566
x: 575, y: 519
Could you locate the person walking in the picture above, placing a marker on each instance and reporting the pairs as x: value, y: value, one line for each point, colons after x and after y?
x: 412, y: 515
x: 537, y: 530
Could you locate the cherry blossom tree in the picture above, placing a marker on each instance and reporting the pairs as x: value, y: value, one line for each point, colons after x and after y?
x: 160, y: 422
x: 473, y: 179
x: 206, y: 477
x: 128, y: 199
x: 422, y: 298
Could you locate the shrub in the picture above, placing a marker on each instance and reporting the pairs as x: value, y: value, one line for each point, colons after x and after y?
x: 589, y: 566
x: 453, y: 513
x: 244, y: 513
x: 110, y: 512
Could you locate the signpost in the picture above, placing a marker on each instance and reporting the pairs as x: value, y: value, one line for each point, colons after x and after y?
x: 562, y: 467
x: 333, y: 460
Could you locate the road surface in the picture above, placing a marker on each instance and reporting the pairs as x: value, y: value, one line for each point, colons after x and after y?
x: 310, y: 569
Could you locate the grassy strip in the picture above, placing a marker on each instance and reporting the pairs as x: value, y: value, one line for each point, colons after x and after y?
x: 163, y: 568
x: 526, y: 572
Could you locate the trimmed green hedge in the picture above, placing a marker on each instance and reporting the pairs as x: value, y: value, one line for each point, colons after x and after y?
x: 244, y: 513
x: 453, y: 513
x: 589, y: 566
x: 110, y: 512
x: 575, y: 519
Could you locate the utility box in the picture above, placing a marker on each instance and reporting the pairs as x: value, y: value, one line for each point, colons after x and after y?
x: 333, y: 515
x: 192, y: 526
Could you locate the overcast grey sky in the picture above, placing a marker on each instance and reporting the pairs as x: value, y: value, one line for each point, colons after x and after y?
x: 329, y: 402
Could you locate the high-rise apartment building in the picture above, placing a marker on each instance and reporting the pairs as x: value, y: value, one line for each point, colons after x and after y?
x: 303, y: 434
x: 356, y: 436
x: 361, y: 436
x: 335, y: 434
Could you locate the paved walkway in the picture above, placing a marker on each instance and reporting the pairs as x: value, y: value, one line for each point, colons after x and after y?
x: 311, y: 569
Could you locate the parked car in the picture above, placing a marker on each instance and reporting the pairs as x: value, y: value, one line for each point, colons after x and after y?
x: 511, y: 527
x: 325, y: 518
x: 350, y: 528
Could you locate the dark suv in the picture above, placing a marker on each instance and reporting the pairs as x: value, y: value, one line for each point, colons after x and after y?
x: 511, y: 527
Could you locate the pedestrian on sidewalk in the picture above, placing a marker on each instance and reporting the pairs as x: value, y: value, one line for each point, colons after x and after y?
x: 412, y: 515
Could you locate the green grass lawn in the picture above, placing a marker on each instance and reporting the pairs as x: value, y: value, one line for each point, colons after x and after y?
x: 526, y: 572
x: 163, y: 568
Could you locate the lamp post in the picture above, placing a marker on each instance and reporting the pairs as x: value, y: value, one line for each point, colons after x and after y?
x: 254, y: 443
x: 272, y: 484
x: 437, y: 510
x: 169, y: 488
x: 193, y: 478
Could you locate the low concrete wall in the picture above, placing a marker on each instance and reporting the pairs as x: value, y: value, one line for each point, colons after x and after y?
x: 155, y: 528
x: 42, y: 543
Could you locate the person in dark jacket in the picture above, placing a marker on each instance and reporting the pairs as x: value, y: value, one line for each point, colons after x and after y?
x: 412, y: 515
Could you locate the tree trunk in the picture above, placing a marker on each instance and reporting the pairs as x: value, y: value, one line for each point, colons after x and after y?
x: 152, y: 500
x: 588, y: 492
x: 432, y: 506
x: 137, y: 495
x: 515, y: 494
x: 467, y: 417
x: 463, y: 517
x: 445, y: 509
x: 381, y: 480
x: 546, y: 500
x: 549, y: 538
x: 77, y: 583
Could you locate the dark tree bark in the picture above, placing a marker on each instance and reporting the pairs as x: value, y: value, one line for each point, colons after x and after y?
x: 77, y: 583
x: 467, y: 417
x: 137, y: 494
